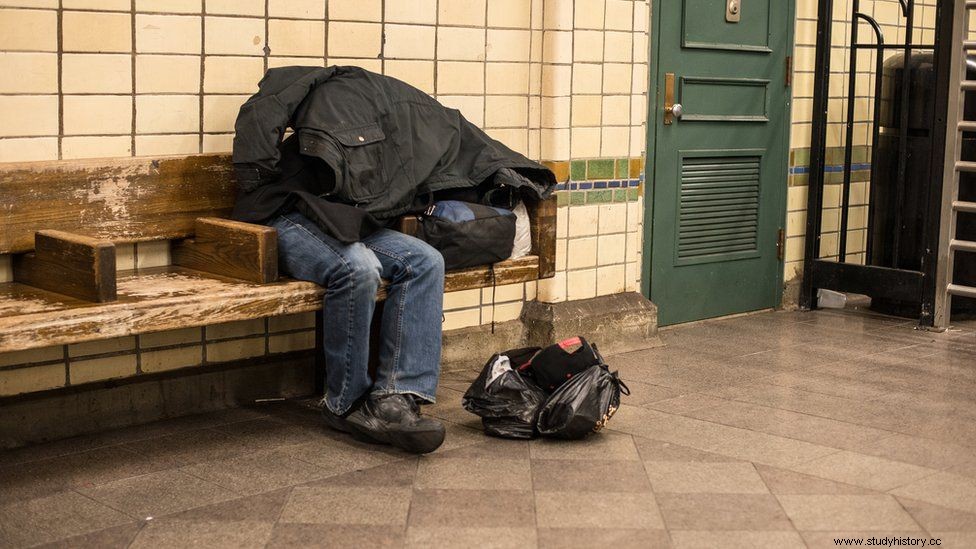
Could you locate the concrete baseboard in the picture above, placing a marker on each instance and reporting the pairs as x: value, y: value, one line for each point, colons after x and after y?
x: 466, y: 348
x: 617, y: 323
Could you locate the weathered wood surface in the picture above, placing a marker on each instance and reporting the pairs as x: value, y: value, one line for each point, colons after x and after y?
x: 543, y: 216
x: 165, y: 298
x: 119, y: 199
x: 230, y: 248
x: 70, y: 264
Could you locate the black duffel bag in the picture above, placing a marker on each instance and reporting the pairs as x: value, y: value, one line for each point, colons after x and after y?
x: 468, y: 234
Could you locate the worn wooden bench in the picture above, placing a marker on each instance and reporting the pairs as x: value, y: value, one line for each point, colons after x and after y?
x: 62, y: 220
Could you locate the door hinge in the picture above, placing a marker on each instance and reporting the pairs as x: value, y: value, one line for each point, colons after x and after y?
x: 789, y: 71
x: 780, y: 245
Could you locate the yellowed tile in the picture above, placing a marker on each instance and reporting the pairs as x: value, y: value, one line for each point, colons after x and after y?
x: 30, y: 3
x: 220, y: 112
x: 103, y: 5
x: 114, y: 345
x: 167, y: 73
x: 619, y: 15
x: 355, y: 39
x: 170, y: 337
x: 302, y: 9
x: 456, y: 77
x: 218, y: 143
x: 236, y: 7
x: 509, y: 13
x: 33, y: 356
x: 416, y: 11
x: 558, y: 14
x: 234, y: 35
x: 462, y: 299
x: 555, y: 112
x: 166, y: 145
x: 587, y: 46
x: 461, y: 319
x: 99, y: 369
x: 6, y: 268
x: 36, y: 72
x: 27, y: 149
x: 171, y: 359
x: 516, y: 139
x: 586, y: 110
x: 583, y: 220
x: 291, y: 322
x: 152, y: 254
x: 581, y: 284
x: 582, y: 253
x: 501, y: 312
x: 508, y: 45
x: 556, y: 80
x: 472, y: 107
x: 235, y: 329
x: 290, y: 37
x: 28, y: 30
x: 28, y: 380
x: 96, y: 32
x: 97, y: 114
x: 374, y: 65
x: 168, y: 33
x: 611, y: 249
x: 96, y: 147
x: 460, y: 43
x: 356, y: 10
x: 167, y: 113
x: 615, y: 141
x: 589, y: 14
x: 558, y: 46
x: 419, y: 74
x: 562, y: 251
x: 462, y: 12
x: 555, y: 144
x: 506, y: 111
x: 307, y: 61
x: 504, y: 293
x: 616, y: 78
x: 235, y: 349
x: 170, y: 6
x: 552, y: 290
x: 296, y: 341
x: 587, y: 78
x: 96, y: 73
x: 26, y: 115
x: 611, y: 280
x: 585, y: 143
x: 618, y: 47
x: 409, y: 42
x: 232, y: 74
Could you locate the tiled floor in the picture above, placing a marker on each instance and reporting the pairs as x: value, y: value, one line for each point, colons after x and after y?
x: 774, y: 430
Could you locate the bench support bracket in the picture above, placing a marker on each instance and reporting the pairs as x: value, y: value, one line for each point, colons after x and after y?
x: 230, y: 248
x: 69, y: 264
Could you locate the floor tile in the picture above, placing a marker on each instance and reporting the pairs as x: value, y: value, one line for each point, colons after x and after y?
x: 920, y: 451
x: 934, y: 518
x: 656, y: 450
x: 189, y: 447
x: 333, y: 536
x: 945, y: 489
x: 736, y: 539
x: 618, y: 538
x: 566, y: 475
x: 117, y: 536
x: 341, y: 454
x: 472, y: 508
x: 257, y: 473
x: 177, y: 534
x: 597, y: 510
x: 831, y: 539
x: 704, y: 477
x: 399, y: 473
x: 260, y: 507
x: 783, y: 481
x: 54, y: 517
x: 684, y: 404
x: 158, y: 493
x: 768, y: 449
x: 600, y: 446
x: 347, y: 505
x: 722, y: 512
x: 464, y: 538
x: 474, y: 474
x: 861, y: 470
x: 487, y: 448
x: 847, y: 512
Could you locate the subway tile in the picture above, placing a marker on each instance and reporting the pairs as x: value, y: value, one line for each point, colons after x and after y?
x: 236, y: 7
x: 356, y: 10
x: 472, y: 107
x: 291, y: 322
x: 556, y: 112
x: 558, y: 46
x: 235, y: 349
x: 36, y: 72
x: 170, y: 337
x: 585, y: 142
x: 555, y: 144
x: 514, y: 138
x: 558, y: 14
x: 509, y: 13
x: 220, y: 112
x: 611, y: 279
x: 355, y: 39
x: 232, y: 74
x: 168, y: 33
x: 295, y: 341
x: 552, y: 290
x: 27, y: 115
x: 96, y: 147
x: 461, y: 319
x: 97, y: 114
x: 611, y: 249
x: 167, y: 145
x: 581, y: 284
x: 290, y: 37
x: 96, y: 73
x: 275, y: 61
x: 167, y: 113
x: 103, y: 5
x: 587, y: 78
x: 508, y: 45
x: 615, y: 141
x: 619, y: 15
x: 171, y: 359
x: 28, y: 30
x: 506, y: 111
x: 101, y: 346
x: 302, y: 9
x: 462, y: 12
x: 235, y: 329
x: 588, y: 14
x: 99, y: 369
x: 418, y: 11
x: 556, y: 80
x: 27, y: 149
x: 32, y: 356
x: 582, y: 253
x: 97, y: 32
x: 460, y: 44
x: 169, y: 6
x: 409, y: 41
x: 618, y: 47
x: 456, y: 77
x: 28, y: 380
x: 586, y: 110
x: 167, y: 74
x: 505, y: 78
x: 587, y: 46
x: 616, y: 110
x: 617, y: 78
x: 234, y: 35
x: 219, y: 143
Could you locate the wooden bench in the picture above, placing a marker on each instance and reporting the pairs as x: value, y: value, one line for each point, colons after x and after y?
x: 62, y: 220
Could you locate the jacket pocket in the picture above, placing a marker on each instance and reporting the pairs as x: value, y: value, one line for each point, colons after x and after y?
x: 363, y: 149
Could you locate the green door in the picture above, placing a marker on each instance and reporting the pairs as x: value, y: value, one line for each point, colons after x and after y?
x: 718, y: 172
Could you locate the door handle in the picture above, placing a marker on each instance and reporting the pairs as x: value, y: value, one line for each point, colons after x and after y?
x: 672, y: 111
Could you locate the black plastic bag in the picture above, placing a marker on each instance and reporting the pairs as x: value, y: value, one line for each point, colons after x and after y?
x: 582, y: 405
x: 507, y: 402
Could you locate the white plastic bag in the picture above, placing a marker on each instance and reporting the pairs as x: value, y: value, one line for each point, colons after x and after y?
x: 523, y: 233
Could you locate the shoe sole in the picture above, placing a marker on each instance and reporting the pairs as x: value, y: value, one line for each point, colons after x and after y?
x: 415, y: 442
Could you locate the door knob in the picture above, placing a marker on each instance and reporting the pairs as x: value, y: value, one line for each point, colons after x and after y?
x: 677, y: 110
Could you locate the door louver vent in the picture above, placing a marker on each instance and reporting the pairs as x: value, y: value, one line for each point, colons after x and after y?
x: 719, y: 206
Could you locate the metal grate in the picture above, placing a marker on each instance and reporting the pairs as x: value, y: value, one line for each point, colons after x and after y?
x: 719, y: 206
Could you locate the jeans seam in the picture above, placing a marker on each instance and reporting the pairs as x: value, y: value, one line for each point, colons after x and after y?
x: 399, y: 311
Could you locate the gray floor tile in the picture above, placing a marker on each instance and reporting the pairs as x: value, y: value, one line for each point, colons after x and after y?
x: 656, y: 450
x: 347, y: 505
x: 54, y: 517
x: 597, y: 510
x: 934, y: 518
x: 333, y: 536
x: 260, y: 507
x: 944, y: 489
x: 472, y: 508
x: 464, y: 538
x: 189, y: 447
x: 473, y: 474
x: 783, y: 481
x: 618, y: 538
x: 736, y: 539
x: 400, y: 473
x: 562, y: 475
x: 258, y: 472
x: 158, y: 493
x: 826, y: 540
x: 111, y: 538
x: 605, y: 445
x: 754, y: 512
x: 488, y: 448
x: 704, y: 478
x: 177, y: 534
x: 861, y: 470
x: 847, y: 512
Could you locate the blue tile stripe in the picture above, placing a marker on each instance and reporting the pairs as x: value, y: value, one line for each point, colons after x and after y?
x: 592, y: 185
x: 803, y: 170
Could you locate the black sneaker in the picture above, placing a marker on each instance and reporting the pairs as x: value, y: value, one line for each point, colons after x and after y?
x: 390, y: 419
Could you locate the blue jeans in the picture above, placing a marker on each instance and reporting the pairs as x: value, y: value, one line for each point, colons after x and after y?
x: 410, y: 339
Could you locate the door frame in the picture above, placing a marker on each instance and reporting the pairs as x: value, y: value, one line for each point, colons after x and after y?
x: 654, y: 113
